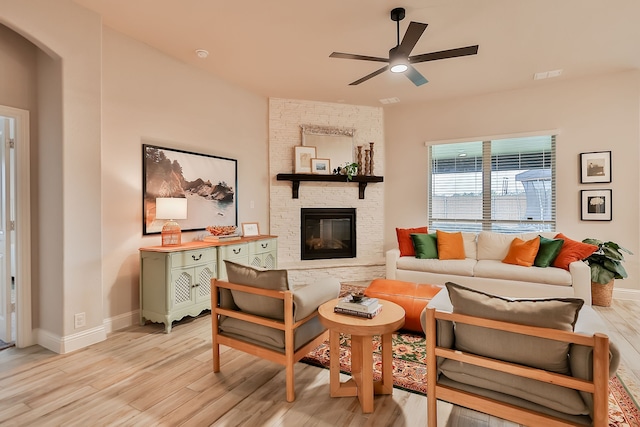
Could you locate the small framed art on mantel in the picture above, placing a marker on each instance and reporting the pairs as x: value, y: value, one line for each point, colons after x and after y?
x: 595, y: 167
x: 302, y: 160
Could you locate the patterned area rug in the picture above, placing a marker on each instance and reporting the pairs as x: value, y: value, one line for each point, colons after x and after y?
x: 409, y: 371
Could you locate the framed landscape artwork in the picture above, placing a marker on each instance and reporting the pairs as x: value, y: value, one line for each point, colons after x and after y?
x: 207, y: 182
x: 321, y: 166
x: 595, y: 205
x: 595, y: 167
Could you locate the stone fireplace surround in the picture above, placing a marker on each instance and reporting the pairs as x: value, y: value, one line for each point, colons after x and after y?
x: 285, y: 118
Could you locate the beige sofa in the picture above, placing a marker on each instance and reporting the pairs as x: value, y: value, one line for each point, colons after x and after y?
x: 484, y: 270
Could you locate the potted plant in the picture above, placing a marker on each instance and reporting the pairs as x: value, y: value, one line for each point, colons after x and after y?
x: 349, y: 169
x: 606, y: 265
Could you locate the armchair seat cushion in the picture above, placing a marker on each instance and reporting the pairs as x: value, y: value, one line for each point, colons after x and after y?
x: 552, y: 396
x: 268, y: 337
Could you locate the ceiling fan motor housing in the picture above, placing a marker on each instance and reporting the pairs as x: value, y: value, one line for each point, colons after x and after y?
x: 397, y: 14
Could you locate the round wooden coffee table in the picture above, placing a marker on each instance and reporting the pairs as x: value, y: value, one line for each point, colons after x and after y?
x: 362, y: 330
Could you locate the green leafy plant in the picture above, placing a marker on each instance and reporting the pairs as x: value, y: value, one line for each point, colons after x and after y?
x: 606, y: 262
x: 349, y: 169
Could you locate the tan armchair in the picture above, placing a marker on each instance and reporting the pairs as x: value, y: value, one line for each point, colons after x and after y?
x: 534, y: 362
x: 257, y: 312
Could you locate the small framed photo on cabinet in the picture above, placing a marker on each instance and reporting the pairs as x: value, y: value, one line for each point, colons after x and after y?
x: 596, y: 205
x: 250, y: 229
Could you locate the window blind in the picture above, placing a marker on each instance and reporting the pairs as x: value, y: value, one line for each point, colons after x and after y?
x: 505, y: 185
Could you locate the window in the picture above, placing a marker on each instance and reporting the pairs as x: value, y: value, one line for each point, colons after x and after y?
x: 505, y: 185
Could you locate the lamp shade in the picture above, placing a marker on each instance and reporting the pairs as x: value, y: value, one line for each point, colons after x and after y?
x: 171, y: 208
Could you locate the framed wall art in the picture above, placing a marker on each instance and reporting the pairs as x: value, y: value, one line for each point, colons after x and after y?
x: 595, y: 205
x: 302, y: 158
x: 250, y: 229
x: 595, y: 167
x: 207, y: 182
x: 321, y: 166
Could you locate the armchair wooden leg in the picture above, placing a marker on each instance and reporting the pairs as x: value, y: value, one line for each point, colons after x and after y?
x: 291, y: 395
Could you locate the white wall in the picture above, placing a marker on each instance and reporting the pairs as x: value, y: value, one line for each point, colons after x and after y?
x: 70, y: 34
x: 149, y: 97
x: 595, y: 114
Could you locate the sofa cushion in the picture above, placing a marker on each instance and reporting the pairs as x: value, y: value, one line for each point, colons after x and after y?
x: 498, y: 270
x: 265, y: 279
x: 425, y: 245
x: 571, y: 251
x: 494, y: 245
x: 548, y: 252
x: 405, y: 244
x: 455, y: 267
x: 450, y: 245
x: 555, y: 313
x: 469, y: 241
x: 521, y: 252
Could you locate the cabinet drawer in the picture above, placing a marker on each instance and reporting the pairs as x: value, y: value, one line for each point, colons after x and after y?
x: 231, y: 252
x: 262, y: 246
x: 193, y: 257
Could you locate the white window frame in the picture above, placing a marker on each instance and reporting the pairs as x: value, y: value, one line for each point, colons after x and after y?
x: 486, y: 222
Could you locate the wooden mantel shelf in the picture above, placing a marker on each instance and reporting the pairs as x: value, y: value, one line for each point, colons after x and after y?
x: 296, y: 178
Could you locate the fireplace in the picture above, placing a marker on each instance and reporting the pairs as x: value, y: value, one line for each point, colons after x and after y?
x: 327, y: 233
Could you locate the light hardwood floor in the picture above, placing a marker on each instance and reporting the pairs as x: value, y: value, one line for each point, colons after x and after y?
x: 142, y: 377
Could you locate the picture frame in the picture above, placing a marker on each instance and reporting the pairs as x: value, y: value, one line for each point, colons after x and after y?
x: 321, y: 166
x: 302, y: 158
x: 250, y: 229
x: 208, y: 182
x: 596, y: 205
x: 595, y: 167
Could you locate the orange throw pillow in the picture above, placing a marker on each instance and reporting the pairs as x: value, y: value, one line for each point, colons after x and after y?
x: 522, y: 253
x: 571, y: 251
x: 405, y: 244
x: 450, y: 245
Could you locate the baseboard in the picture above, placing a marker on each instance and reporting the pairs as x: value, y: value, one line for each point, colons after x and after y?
x: 69, y: 343
x: 122, y: 321
x: 629, y: 294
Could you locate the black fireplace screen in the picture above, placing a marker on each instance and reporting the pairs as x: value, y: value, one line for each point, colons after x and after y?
x: 327, y: 233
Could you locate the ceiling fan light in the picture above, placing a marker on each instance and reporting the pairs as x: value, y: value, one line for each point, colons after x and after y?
x: 399, y: 68
x: 398, y: 62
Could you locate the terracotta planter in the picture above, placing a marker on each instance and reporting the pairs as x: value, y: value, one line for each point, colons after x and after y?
x: 601, y: 294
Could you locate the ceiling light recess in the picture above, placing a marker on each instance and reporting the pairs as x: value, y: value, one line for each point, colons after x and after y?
x: 201, y: 53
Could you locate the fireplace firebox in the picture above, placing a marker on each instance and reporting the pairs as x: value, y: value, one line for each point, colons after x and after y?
x: 327, y: 233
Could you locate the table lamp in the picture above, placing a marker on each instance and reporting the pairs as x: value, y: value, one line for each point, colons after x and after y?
x: 171, y: 208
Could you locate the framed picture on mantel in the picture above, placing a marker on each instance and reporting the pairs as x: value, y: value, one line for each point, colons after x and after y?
x: 302, y: 158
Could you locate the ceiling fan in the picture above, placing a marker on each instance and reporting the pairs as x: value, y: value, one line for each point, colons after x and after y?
x: 399, y: 59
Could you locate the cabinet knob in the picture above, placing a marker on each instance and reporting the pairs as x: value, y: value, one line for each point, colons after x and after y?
x: 196, y: 258
x: 237, y: 251
x: 264, y: 245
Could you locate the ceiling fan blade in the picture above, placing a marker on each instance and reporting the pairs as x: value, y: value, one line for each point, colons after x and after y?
x: 444, y: 54
x: 368, y: 76
x: 411, y: 37
x: 360, y: 57
x: 415, y: 76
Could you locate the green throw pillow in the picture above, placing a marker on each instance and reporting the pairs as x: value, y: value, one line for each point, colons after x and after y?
x: 548, y: 252
x: 426, y: 245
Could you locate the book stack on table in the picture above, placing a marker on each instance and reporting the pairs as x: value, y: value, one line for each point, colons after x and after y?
x: 365, y: 307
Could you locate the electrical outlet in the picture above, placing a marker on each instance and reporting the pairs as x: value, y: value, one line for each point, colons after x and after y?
x: 79, y: 320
